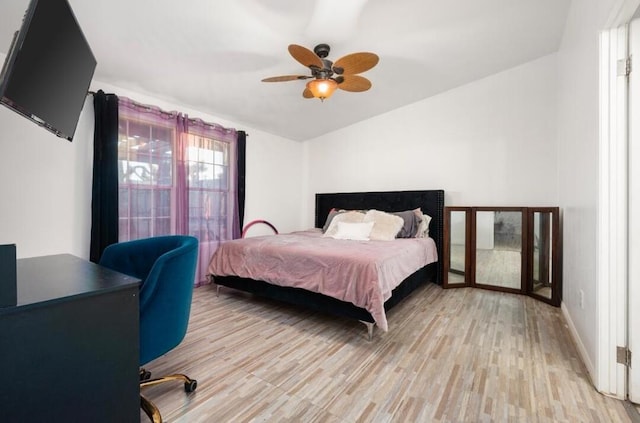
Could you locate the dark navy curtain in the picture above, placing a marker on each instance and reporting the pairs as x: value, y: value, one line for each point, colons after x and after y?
x: 104, y: 200
x: 242, y: 161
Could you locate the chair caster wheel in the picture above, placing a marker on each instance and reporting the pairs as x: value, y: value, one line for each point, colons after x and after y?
x: 191, y: 385
x: 145, y: 375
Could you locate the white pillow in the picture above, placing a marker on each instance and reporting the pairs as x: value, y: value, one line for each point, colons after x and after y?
x: 423, y: 227
x: 354, y: 231
x: 349, y: 217
x: 386, y: 226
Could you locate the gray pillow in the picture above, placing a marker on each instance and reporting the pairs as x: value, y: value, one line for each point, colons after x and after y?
x: 411, y: 223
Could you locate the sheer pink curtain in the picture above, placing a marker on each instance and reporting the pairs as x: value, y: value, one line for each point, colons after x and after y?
x: 213, y: 201
x: 146, y: 170
x: 189, y: 182
x: 180, y: 206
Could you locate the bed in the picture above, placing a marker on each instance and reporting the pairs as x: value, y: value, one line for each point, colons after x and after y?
x: 431, y: 202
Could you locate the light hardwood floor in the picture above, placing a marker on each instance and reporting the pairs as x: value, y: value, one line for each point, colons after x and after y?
x: 458, y: 355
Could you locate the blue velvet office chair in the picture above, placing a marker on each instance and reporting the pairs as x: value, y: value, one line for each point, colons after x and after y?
x: 166, y: 265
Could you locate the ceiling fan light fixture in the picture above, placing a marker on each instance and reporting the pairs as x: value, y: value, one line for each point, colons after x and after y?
x: 327, y: 76
x: 322, y: 88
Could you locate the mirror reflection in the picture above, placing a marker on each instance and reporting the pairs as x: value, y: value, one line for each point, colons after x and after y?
x: 457, y: 247
x: 542, y: 259
x: 499, y: 248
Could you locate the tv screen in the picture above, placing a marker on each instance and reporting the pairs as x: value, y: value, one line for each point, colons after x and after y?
x: 49, y: 67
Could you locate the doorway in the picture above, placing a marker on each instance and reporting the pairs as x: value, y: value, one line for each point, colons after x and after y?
x: 633, y: 323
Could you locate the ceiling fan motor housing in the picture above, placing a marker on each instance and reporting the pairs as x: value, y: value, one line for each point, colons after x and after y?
x: 322, y: 50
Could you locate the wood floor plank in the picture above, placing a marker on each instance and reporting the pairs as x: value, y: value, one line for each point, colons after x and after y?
x: 459, y: 355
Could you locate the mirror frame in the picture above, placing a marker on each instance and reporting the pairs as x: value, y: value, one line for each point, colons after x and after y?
x: 447, y: 245
x: 556, y: 248
x: 523, y: 250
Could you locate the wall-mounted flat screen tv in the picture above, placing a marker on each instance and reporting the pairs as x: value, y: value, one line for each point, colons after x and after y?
x: 49, y: 67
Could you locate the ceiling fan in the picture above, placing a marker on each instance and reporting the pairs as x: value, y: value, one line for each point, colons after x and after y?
x: 326, y: 75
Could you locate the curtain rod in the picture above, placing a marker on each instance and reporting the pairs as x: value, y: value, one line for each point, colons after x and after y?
x: 146, y: 107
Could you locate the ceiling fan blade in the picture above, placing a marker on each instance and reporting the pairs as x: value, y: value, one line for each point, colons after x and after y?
x: 284, y: 78
x: 307, y: 93
x: 354, y: 83
x: 356, y: 63
x: 305, y: 56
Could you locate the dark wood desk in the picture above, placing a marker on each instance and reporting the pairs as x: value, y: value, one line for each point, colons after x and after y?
x: 69, y: 348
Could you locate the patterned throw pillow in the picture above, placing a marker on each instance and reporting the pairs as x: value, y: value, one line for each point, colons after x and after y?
x: 423, y: 227
x: 386, y: 225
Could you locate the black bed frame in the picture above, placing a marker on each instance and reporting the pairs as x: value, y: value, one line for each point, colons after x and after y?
x: 431, y: 202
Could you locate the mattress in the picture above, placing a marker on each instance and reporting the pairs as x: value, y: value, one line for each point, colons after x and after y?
x: 363, y: 273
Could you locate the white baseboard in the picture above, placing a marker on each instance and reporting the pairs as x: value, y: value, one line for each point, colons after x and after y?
x: 581, y: 349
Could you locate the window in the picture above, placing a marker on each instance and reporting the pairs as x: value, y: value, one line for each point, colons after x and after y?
x: 209, y: 182
x: 176, y: 176
x: 145, y: 179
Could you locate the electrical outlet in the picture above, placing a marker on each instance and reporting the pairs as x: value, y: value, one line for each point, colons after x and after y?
x: 581, y: 298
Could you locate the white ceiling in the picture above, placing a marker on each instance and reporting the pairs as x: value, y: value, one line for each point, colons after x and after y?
x: 211, y: 55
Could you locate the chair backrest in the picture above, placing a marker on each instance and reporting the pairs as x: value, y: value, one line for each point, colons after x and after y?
x: 166, y: 265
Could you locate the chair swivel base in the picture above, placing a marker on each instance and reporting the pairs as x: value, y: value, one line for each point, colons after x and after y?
x: 148, y: 407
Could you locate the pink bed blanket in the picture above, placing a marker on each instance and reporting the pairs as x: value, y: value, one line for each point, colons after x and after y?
x: 360, y: 272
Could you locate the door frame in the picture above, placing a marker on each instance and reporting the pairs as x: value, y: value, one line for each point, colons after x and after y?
x: 633, y: 304
x: 613, y: 225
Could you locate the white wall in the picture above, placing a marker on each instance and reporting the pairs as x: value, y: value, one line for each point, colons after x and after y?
x: 578, y: 108
x: 45, y: 185
x: 45, y: 181
x: 485, y: 230
x: 274, y: 185
x: 491, y: 142
x: 458, y: 224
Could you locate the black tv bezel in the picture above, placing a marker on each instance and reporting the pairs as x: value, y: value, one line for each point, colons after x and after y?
x: 9, y: 65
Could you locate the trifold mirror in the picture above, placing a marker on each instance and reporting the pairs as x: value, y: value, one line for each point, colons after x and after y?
x: 512, y: 249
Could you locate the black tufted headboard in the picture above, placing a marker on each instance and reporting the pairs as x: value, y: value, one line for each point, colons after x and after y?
x: 431, y: 202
